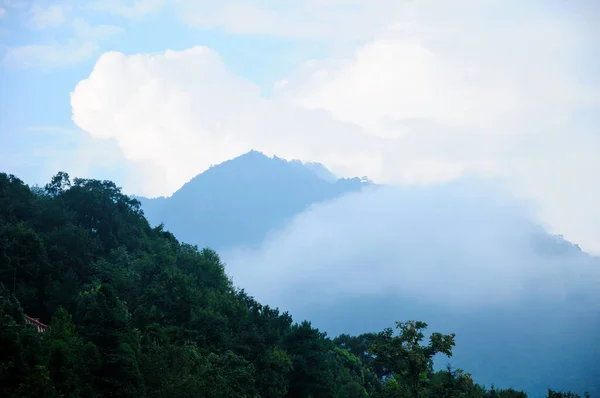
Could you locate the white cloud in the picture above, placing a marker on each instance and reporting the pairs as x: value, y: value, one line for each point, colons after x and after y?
x: 82, y: 46
x: 448, y: 89
x: 14, y: 3
x: 96, y: 33
x: 128, y: 8
x: 463, y: 244
x: 247, y: 18
x: 2, y: 12
x: 351, y: 20
x: 347, y: 20
x: 444, y: 64
x: 48, y: 55
x: 183, y: 111
x: 47, y: 16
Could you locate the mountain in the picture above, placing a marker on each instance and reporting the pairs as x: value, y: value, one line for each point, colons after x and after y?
x: 291, y: 227
x: 129, y: 311
x: 239, y: 201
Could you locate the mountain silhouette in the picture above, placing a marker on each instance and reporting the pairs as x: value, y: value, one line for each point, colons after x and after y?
x: 239, y: 201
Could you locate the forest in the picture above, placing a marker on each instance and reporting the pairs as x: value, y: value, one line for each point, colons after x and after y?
x: 133, y: 312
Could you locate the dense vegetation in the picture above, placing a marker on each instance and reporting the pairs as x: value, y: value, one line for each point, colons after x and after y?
x: 134, y: 313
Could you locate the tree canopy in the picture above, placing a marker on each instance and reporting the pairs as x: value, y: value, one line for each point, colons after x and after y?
x: 133, y: 312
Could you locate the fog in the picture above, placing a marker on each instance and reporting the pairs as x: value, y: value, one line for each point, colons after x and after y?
x: 465, y: 257
x: 456, y: 244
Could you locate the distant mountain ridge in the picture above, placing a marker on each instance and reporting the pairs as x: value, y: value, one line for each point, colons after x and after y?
x: 239, y: 202
x: 242, y: 199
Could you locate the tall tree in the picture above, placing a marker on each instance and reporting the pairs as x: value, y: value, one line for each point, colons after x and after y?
x: 405, y: 357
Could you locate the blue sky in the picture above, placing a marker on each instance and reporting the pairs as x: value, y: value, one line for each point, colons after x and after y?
x: 34, y: 99
x: 150, y: 93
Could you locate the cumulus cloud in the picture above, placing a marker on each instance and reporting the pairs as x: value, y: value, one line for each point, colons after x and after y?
x: 183, y: 111
x: 47, y: 16
x: 462, y: 244
x: 441, y: 63
x: 437, y: 91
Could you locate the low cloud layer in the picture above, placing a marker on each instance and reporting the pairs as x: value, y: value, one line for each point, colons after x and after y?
x: 462, y: 245
x: 465, y: 257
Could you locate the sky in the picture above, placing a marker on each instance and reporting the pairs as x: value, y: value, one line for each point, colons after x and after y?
x: 150, y: 93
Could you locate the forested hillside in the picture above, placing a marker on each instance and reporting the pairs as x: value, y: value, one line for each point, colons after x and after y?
x: 132, y: 312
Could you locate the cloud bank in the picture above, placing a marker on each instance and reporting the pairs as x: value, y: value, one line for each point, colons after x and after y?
x: 465, y: 257
x: 465, y: 245
x: 434, y: 92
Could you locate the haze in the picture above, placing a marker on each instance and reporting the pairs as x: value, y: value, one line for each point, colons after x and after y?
x: 447, y: 155
x: 455, y: 244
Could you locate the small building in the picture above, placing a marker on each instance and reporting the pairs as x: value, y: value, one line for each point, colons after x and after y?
x: 36, y: 322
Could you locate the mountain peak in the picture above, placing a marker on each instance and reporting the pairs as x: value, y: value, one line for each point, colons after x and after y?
x: 244, y: 198
x: 255, y: 164
x: 252, y: 154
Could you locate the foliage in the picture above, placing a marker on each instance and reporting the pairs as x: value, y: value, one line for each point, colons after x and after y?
x: 132, y: 312
x: 405, y: 359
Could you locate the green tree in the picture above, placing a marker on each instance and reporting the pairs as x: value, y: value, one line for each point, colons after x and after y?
x: 58, y: 184
x: 310, y: 376
x: 106, y: 322
x: 407, y: 360
x: 66, y: 363
x: 25, y: 266
x: 21, y: 371
x: 451, y: 383
x: 568, y: 394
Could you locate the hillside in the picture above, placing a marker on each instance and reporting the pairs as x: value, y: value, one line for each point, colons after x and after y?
x: 310, y: 266
x: 134, y: 313
x: 243, y: 199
